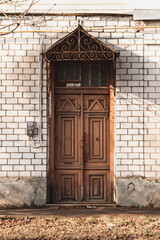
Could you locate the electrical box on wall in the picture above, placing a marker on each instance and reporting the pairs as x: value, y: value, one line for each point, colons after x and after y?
x: 30, y: 128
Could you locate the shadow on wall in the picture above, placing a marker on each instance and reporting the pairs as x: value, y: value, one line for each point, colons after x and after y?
x: 137, y: 124
x: 138, y: 110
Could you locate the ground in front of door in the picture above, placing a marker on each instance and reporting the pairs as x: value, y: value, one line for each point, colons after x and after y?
x: 84, y: 223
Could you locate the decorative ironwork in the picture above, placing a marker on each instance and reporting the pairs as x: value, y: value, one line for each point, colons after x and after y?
x: 79, y: 45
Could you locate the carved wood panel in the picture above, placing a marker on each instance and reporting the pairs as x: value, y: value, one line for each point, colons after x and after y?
x: 96, y: 138
x: 96, y: 186
x: 67, y: 130
x: 66, y: 139
x: 67, y: 185
x: 96, y: 130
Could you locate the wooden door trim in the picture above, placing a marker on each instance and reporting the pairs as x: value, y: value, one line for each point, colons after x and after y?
x: 51, y: 119
x: 112, y: 134
x: 82, y: 90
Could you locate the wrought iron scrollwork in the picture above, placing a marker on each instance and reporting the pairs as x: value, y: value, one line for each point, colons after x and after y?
x: 79, y: 45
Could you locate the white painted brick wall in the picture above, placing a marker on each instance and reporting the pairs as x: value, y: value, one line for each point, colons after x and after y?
x: 137, y: 98
x: 142, y: 108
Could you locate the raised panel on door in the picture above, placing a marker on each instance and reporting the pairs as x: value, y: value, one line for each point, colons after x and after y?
x: 67, y: 138
x: 96, y: 131
x: 96, y: 138
x: 96, y: 186
x: 67, y: 185
x: 67, y: 130
x: 96, y: 103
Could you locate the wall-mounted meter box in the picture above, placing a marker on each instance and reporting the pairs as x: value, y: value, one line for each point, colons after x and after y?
x: 30, y: 128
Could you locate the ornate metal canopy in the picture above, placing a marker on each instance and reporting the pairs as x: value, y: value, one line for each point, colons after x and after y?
x: 79, y: 45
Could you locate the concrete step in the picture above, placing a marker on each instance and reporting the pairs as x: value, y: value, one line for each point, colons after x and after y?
x: 80, y: 204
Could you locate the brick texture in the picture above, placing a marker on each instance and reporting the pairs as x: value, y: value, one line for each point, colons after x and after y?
x: 137, y: 132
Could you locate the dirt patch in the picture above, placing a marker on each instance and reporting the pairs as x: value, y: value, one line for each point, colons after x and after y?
x: 104, y: 227
x: 79, y: 211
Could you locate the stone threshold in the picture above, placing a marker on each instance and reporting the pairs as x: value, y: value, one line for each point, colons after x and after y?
x: 80, y: 204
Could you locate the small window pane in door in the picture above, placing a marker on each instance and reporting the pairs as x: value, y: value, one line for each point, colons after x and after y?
x: 69, y: 72
x: 94, y: 74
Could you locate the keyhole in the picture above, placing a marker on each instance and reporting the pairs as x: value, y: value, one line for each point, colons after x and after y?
x: 97, y: 139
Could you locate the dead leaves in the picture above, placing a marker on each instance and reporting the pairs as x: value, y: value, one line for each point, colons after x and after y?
x: 84, y: 228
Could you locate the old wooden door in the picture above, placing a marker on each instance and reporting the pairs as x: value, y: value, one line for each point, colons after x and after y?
x: 82, y: 145
x: 81, y: 86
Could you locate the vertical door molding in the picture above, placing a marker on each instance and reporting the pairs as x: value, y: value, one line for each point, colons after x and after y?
x: 51, y: 119
x: 111, y: 142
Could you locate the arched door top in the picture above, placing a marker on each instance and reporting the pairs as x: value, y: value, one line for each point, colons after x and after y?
x: 79, y: 45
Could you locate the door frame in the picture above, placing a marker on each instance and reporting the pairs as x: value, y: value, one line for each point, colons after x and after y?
x: 51, y: 131
x: 78, y: 45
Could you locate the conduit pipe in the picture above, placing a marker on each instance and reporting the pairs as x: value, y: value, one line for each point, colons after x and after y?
x: 37, y: 143
x: 87, y: 29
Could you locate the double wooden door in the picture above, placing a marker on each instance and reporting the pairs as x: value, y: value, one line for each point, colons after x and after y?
x: 81, y: 147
